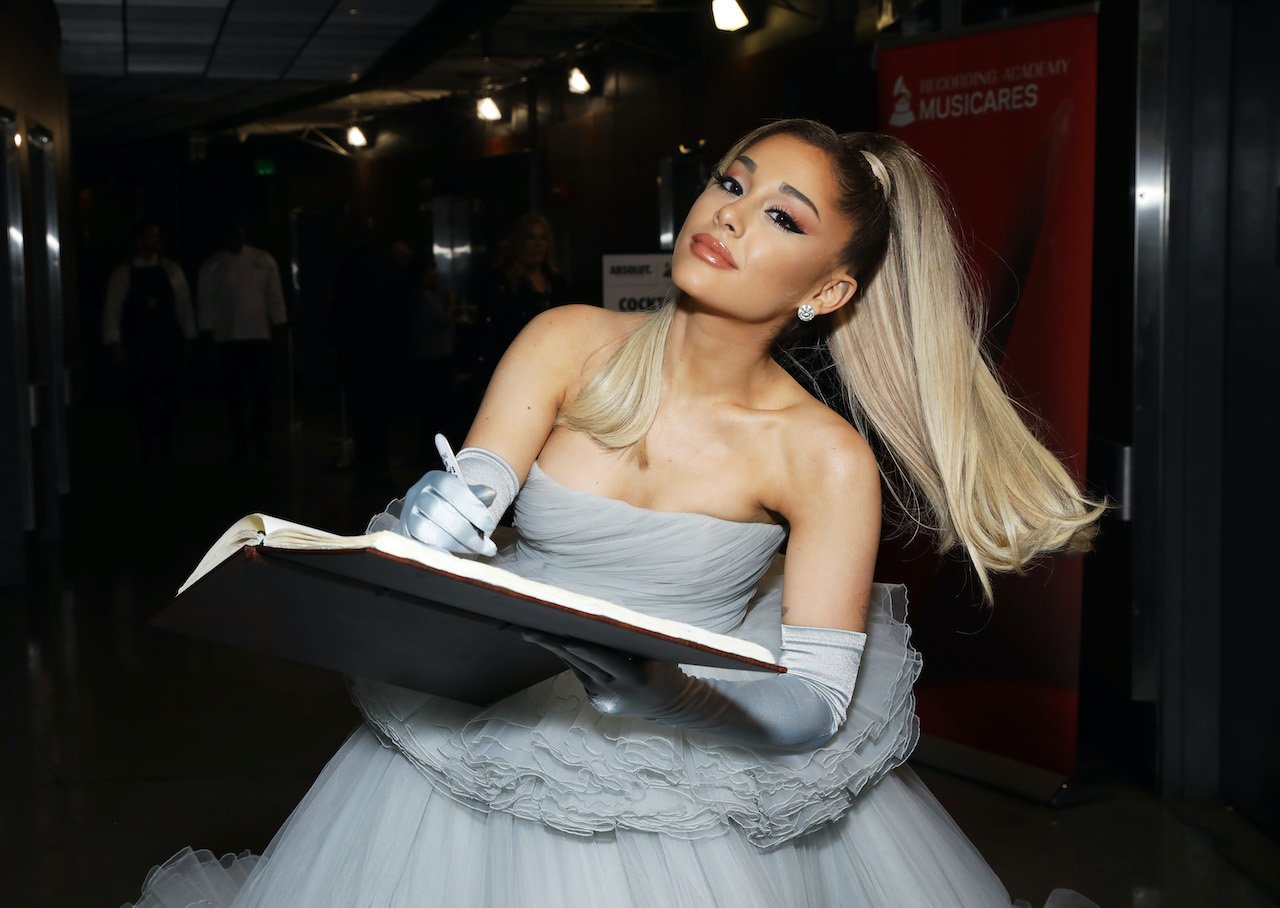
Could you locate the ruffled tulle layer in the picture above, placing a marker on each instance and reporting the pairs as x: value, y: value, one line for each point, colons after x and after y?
x: 545, y: 754
x: 373, y: 832
x: 196, y: 879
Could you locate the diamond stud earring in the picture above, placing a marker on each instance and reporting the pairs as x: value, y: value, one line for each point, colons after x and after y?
x: 806, y: 313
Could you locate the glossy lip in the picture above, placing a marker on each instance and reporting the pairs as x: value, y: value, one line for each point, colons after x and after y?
x: 712, y: 251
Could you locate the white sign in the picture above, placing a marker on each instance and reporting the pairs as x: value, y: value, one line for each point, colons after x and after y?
x: 636, y: 283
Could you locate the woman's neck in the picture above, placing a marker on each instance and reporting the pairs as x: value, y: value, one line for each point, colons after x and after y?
x: 711, y: 355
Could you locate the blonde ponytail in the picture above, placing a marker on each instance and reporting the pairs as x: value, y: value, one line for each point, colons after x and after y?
x: 915, y: 375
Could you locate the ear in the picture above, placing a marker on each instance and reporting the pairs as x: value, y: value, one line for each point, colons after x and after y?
x: 837, y: 290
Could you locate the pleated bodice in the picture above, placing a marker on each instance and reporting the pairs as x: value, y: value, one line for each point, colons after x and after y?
x: 694, y: 568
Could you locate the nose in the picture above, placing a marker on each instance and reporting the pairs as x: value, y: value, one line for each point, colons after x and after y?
x: 727, y: 218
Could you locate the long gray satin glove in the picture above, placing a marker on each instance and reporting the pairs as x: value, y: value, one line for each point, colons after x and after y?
x: 801, y: 709
x: 445, y: 513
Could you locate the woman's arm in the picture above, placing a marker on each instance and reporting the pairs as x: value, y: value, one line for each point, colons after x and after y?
x: 517, y: 415
x: 830, y: 496
x: 530, y: 385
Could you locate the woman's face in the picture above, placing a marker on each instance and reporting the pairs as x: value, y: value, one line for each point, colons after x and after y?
x: 765, y: 236
x: 533, y: 245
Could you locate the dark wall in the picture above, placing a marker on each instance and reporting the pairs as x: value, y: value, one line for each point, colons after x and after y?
x: 33, y: 91
x: 31, y: 84
x: 1250, y: 751
x: 1112, y: 720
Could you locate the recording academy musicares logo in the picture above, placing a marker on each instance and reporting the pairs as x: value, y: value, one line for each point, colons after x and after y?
x: 970, y: 94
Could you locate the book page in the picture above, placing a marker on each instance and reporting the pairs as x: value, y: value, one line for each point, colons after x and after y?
x: 251, y: 530
x: 245, y: 531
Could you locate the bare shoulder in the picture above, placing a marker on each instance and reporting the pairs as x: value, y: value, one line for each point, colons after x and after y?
x: 560, y: 346
x: 827, y: 463
x: 574, y: 332
x: 577, y: 339
x: 582, y: 320
x: 538, y: 372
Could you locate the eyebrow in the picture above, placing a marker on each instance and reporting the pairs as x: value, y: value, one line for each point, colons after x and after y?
x: 796, y: 193
x: 784, y: 187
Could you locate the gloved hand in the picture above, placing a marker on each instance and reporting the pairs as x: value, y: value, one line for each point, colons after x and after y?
x: 618, y: 683
x: 801, y: 709
x: 445, y: 513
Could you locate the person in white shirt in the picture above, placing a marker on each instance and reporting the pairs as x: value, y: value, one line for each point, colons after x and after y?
x: 239, y: 299
x: 148, y: 324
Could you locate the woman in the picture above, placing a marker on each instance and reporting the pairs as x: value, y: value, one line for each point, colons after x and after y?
x: 663, y: 460
x: 528, y: 268
x: 525, y: 281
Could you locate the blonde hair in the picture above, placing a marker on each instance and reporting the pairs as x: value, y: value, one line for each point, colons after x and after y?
x: 620, y: 402
x: 914, y: 375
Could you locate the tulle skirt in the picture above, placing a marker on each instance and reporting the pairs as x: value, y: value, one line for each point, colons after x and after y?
x: 373, y: 831
x: 540, y: 802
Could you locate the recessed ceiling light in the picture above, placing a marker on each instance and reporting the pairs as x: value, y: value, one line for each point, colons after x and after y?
x: 578, y: 83
x: 728, y: 15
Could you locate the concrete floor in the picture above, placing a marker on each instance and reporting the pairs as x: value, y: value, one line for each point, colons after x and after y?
x: 122, y: 743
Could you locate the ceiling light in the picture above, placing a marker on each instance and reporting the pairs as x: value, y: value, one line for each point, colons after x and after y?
x: 17, y: 139
x: 578, y: 83
x: 356, y: 137
x: 728, y: 15
x: 487, y: 109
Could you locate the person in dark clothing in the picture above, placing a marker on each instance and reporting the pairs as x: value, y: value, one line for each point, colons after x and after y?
x: 148, y: 324
x: 525, y: 281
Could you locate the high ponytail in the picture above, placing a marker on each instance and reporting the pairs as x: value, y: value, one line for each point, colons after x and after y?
x: 916, y: 377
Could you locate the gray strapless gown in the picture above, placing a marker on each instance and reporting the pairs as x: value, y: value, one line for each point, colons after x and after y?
x: 540, y: 801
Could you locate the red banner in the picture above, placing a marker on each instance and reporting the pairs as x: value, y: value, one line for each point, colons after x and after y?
x: 1006, y: 119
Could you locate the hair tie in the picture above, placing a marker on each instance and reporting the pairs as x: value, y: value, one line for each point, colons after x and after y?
x: 879, y: 171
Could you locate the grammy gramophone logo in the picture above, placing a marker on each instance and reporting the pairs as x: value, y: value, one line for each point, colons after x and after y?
x: 902, y: 115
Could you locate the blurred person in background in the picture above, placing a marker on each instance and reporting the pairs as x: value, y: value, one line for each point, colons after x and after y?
x: 148, y: 324
x: 240, y: 300
x: 526, y: 281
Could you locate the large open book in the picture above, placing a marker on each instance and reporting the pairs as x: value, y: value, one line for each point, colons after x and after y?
x: 383, y: 606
